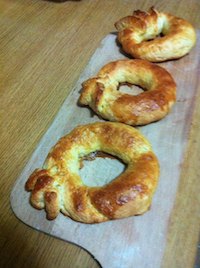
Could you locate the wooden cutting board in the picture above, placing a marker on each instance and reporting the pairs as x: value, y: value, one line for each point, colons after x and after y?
x: 135, y: 241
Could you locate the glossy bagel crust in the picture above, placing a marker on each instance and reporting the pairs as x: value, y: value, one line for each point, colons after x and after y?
x: 102, y: 95
x: 58, y: 186
x: 137, y: 35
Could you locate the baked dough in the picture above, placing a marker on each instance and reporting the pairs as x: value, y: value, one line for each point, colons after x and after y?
x: 137, y: 35
x: 101, y: 94
x: 58, y: 186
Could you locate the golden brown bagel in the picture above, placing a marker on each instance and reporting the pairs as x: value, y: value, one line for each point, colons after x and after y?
x: 137, y: 35
x: 58, y: 186
x: 101, y: 93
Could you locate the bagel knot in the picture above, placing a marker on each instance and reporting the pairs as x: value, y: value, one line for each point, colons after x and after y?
x: 58, y: 186
x: 155, y: 36
x: 102, y: 95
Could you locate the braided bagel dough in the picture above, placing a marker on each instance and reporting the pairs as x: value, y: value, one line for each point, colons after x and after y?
x: 101, y: 93
x: 58, y: 186
x: 137, y: 35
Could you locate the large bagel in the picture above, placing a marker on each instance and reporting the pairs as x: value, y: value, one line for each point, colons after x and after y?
x: 58, y: 186
x: 101, y: 93
x: 137, y: 35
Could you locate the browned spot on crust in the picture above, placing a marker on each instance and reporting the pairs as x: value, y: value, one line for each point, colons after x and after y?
x: 127, y: 197
x: 98, y: 94
x: 43, y: 182
x: 50, y: 196
x: 51, y: 204
x: 78, y: 197
x: 33, y: 178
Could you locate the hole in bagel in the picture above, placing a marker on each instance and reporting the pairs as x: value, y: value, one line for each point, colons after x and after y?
x: 156, y: 37
x: 99, y: 168
x: 130, y: 89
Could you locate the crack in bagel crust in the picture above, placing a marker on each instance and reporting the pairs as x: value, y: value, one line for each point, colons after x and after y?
x: 102, y: 95
x: 58, y: 187
x: 137, y: 35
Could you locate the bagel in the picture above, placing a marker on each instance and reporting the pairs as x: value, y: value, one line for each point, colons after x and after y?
x: 137, y: 35
x: 100, y: 93
x: 58, y: 186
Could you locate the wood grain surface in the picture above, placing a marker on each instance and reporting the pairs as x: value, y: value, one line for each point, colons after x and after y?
x: 45, y: 46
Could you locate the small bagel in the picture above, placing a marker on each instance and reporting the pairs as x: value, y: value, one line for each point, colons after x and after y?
x: 58, y: 186
x: 101, y: 94
x: 137, y: 35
